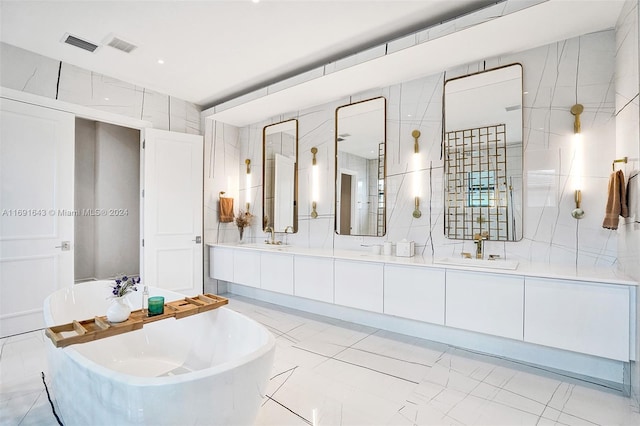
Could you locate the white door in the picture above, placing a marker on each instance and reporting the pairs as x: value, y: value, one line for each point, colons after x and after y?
x: 36, y: 208
x: 283, y: 194
x: 172, y: 211
x: 348, y: 212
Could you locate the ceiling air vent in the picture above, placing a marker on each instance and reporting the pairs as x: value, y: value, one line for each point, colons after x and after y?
x: 118, y: 43
x: 78, y: 42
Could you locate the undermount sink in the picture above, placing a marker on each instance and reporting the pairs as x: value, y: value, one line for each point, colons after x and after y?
x: 266, y: 246
x: 478, y: 263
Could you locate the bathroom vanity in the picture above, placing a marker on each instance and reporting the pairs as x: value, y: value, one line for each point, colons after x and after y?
x: 579, y: 322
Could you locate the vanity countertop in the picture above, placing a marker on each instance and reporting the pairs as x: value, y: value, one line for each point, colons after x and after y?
x: 602, y: 275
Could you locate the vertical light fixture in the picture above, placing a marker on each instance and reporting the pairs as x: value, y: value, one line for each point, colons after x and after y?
x: 248, y: 184
x: 416, y: 178
x: 576, y: 168
x: 314, y: 183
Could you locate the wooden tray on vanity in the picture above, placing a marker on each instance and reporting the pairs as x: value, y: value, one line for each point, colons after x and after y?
x: 97, y: 328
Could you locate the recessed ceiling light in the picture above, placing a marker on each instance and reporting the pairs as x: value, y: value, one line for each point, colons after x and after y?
x: 256, y: 1
x: 161, y: 61
x: 106, y: 99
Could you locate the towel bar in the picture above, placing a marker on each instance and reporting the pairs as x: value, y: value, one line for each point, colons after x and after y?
x: 624, y: 160
x: 619, y: 160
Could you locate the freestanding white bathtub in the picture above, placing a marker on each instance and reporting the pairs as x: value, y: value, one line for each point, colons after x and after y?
x: 207, y: 369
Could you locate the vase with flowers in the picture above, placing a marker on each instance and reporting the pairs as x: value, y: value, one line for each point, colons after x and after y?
x: 243, y: 219
x: 120, y: 310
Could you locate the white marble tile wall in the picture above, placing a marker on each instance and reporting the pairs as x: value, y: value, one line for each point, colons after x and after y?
x: 627, y: 85
x: 553, y: 75
x: 628, y: 144
x: 29, y: 72
x: 221, y: 173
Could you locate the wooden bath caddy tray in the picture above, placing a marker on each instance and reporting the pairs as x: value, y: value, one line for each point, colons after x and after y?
x: 99, y: 327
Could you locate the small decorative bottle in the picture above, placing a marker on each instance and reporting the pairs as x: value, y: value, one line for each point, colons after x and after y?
x: 145, y: 301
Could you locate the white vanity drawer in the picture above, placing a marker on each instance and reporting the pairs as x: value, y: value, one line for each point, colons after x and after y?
x: 221, y: 263
x: 246, y: 267
x: 583, y: 317
x: 359, y: 284
x: 414, y: 292
x: 487, y: 303
x: 277, y: 272
x: 314, y: 278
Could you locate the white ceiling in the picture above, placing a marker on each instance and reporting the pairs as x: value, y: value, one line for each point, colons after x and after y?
x: 215, y: 50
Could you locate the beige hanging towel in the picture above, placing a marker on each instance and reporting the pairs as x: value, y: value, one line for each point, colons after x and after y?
x: 616, y: 201
x: 226, y: 209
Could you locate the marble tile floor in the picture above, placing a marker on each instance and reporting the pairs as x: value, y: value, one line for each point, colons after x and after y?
x: 331, y: 372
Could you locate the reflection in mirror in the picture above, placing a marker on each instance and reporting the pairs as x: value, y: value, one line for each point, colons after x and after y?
x: 483, y: 155
x: 280, y: 184
x: 360, y: 168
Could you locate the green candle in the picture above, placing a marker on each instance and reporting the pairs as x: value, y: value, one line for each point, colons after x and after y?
x: 156, y: 305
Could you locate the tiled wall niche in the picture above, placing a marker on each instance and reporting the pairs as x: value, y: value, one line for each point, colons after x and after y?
x: 552, y: 76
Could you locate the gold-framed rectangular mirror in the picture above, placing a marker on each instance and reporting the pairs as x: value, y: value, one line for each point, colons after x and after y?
x: 361, y: 168
x: 483, y: 155
x: 280, y: 176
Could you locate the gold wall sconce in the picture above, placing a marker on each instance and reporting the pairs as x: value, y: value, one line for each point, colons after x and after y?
x: 577, y: 213
x: 416, y: 147
x: 576, y: 110
x: 248, y: 184
x: 576, y: 168
x: 416, y: 209
x: 416, y: 178
x: 314, y: 183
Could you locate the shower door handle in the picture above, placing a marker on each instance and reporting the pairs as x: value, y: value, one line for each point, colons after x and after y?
x: 198, y: 239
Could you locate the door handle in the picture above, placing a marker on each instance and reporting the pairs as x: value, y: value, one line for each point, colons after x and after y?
x: 198, y: 239
x: 65, y: 246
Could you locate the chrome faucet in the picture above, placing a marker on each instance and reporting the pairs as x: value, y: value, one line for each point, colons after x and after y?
x: 478, y: 241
